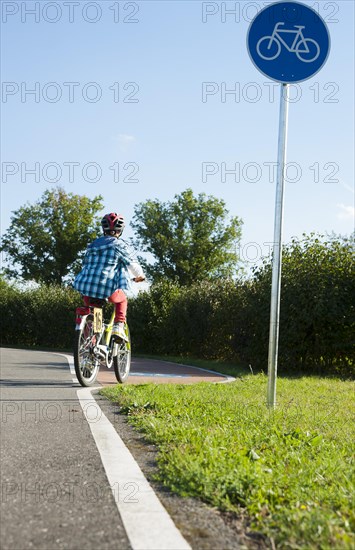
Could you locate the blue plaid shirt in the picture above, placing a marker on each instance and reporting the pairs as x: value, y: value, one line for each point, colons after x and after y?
x: 105, y: 268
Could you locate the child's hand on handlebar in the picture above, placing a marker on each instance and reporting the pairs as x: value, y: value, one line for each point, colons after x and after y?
x: 139, y: 279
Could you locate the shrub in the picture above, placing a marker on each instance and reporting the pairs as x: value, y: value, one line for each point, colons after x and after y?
x: 317, y: 319
x: 44, y: 316
x: 230, y: 320
x: 223, y: 319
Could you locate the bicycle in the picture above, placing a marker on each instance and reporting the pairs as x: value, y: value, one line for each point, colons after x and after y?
x: 301, y: 46
x: 94, y: 345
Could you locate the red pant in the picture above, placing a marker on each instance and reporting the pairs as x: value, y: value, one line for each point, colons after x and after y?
x: 120, y: 300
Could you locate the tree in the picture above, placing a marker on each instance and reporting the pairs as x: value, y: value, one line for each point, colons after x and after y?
x: 46, y: 241
x: 189, y: 237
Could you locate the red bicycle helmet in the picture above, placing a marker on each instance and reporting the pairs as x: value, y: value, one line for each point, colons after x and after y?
x: 112, y: 222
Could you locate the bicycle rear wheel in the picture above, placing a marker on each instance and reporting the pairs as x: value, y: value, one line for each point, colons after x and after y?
x: 122, y: 360
x: 268, y: 48
x: 86, y: 363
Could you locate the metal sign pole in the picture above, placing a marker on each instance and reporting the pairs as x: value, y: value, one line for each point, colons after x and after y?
x: 277, y: 250
x: 274, y: 58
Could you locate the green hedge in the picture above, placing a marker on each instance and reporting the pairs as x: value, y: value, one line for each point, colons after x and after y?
x: 317, y: 317
x: 224, y: 320
x: 201, y: 320
x: 41, y: 317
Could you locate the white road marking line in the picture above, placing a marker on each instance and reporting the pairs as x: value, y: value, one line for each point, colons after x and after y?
x: 70, y: 360
x: 157, y: 375
x: 226, y: 376
x: 146, y: 521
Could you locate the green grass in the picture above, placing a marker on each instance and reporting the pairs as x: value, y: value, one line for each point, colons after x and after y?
x: 290, y: 469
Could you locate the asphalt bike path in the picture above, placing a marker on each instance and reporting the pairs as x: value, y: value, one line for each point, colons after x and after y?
x: 54, y: 490
x: 144, y: 371
x: 57, y: 485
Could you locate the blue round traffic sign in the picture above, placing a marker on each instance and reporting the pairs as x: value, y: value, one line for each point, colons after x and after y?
x: 288, y: 42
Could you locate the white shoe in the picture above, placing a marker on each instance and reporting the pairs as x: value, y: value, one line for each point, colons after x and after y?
x: 118, y: 331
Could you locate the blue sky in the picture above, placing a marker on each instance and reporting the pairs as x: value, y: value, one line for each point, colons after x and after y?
x: 147, y: 93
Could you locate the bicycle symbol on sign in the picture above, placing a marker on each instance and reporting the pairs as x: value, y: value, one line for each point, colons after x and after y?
x: 306, y: 49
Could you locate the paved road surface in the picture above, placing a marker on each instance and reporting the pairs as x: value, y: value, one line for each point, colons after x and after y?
x: 162, y: 372
x: 54, y: 490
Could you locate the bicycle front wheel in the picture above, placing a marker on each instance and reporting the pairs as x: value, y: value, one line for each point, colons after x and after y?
x: 308, y: 50
x: 122, y: 359
x: 86, y: 363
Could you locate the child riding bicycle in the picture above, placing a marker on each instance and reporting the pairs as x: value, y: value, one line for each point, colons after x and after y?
x: 106, y: 270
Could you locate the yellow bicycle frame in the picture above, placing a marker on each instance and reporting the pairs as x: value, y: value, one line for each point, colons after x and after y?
x: 108, y: 331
